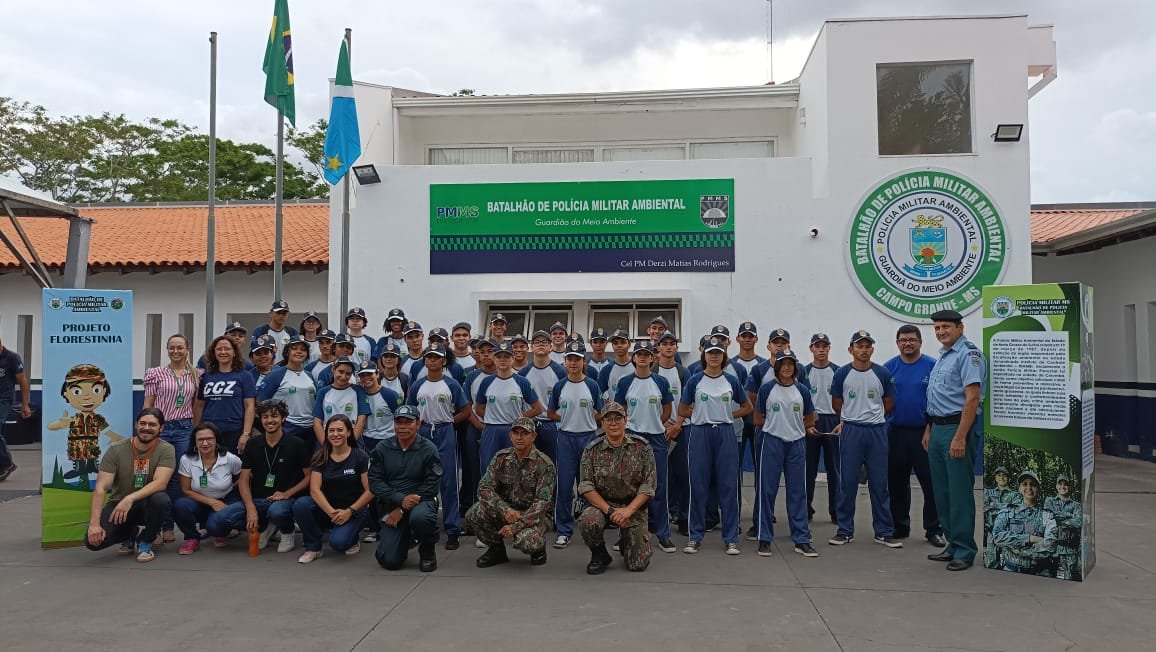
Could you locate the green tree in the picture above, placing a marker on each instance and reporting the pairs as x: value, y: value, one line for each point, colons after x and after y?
x: 310, y: 142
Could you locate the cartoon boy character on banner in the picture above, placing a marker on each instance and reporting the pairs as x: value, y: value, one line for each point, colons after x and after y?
x: 85, y: 388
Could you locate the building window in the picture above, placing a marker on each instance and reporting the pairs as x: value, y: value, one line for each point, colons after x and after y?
x: 186, y: 327
x: 635, y: 317
x: 733, y: 149
x: 924, y: 108
x: 577, y: 155
x: 468, y: 155
x: 645, y: 153
x: 525, y: 319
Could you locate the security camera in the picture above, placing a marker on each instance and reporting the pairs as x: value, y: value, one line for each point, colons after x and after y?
x: 814, y: 231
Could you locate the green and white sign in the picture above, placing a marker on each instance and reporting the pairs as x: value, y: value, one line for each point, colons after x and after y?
x: 926, y: 240
x: 1040, y: 417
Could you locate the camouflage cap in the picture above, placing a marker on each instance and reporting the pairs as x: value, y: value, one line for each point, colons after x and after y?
x: 612, y: 407
x: 1000, y: 469
x: 525, y: 423
x: 1063, y: 477
x: 1028, y: 473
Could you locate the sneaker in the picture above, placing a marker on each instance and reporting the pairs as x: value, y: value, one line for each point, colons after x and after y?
x: 478, y: 544
x: 263, y: 540
x: 354, y: 550
x: 562, y: 541
x: 288, y: 541
x: 752, y: 534
x: 189, y: 547
x: 126, y: 548
x: 666, y: 545
x: 692, y: 547
x: 307, y: 557
x: 7, y: 472
x: 764, y: 549
x: 733, y: 549
x: 144, y: 553
x: 220, y: 542
x: 452, y: 542
x: 890, y: 542
x: 370, y: 537
x: 806, y: 550
x: 840, y: 539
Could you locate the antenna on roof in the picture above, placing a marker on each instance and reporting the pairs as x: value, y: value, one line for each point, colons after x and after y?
x: 770, y: 43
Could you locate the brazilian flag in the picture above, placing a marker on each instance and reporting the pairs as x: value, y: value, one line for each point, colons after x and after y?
x: 278, y: 64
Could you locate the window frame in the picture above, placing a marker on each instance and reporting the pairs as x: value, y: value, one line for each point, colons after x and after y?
x: 973, y: 141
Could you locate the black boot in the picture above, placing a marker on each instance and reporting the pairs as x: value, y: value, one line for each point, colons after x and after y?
x: 493, y: 556
x: 600, y: 560
x: 74, y: 473
x: 429, y: 560
x: 538, y: 557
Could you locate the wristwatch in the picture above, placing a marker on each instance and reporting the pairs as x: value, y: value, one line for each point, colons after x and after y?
x: 610, y: 511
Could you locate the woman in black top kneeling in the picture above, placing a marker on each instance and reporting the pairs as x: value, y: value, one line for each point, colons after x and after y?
x: 338, y: 493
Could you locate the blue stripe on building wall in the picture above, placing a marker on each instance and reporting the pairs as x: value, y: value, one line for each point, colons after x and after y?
x: 1126, y: 424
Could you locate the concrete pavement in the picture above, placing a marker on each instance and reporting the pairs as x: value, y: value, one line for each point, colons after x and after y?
x: 857, y: 597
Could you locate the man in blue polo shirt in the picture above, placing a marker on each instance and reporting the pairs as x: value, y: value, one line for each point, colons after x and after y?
x: 911, y: 371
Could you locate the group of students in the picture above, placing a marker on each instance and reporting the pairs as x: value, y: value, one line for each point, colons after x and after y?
x: 332, y: 401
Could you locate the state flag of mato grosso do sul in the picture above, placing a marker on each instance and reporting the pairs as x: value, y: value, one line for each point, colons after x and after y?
x: 926, y: 240
x: 342, y: 138
x: 670, y: 225
x: 278, y: 65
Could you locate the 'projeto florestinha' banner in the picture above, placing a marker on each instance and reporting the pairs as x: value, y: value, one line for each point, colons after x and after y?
x: 87, y: 401
x: 676, y: 225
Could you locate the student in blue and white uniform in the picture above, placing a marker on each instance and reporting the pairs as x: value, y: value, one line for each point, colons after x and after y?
x: 520, y: 346
x: 747, y: 338
x: 647, y: 398
x: 378, y: 427
x: 291, y: 384
x: 340, y: 397
x: 498, y: 326
x: 262, y: 353
x: 389, y: 367
x: 342, y: 348
x: 666, y: 364
x: 820, y: 373
x: 276, y: 328
x: 558, y: 339
x: 311, y: 329
x: 543, y: 374
x: 226, y: 395
x: 416, y: 369
x: 620, y: 366
x: 471, y: 450
x: 325, y: 356
x: 740, y: 372
x: 501, y: 398
x: 441, y: 403
x: 238, y: 335
x: 596, y: 359
x: 364, y: 346
x: 414, y: 345
x: 708, y: 403
x: 394, y: 329
x: 785, y: 416
x: 575, y: 403
x: 460, y: 345
x: 862, y: 393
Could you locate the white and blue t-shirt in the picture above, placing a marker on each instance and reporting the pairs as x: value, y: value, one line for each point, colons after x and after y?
x: 543, y: 380
x: 317, y: 368
x: 282, y: 336
x: 314, y: 350
x: 349, y: 401
x: 820, y: 379
x: 224, y: 395
x: 506, y: 399
x: 594, y: 367
x: 363, y: 348
x: 712, y: 399
x: 611, y: 374
x: 863, y: 393
x: 784, y: 407
x: 675, y: 376
x: 416, y: 370
x: 379, y: 422
x: 576, y: 403
x: 295, y: 388
x: 473, y: 382
x: 437, y: 401
x: 644, y: 398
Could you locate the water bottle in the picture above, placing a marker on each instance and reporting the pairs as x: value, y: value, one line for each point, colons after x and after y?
x: 254, y: 543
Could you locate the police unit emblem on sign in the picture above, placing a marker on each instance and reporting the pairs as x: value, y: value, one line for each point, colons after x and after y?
x: 926, y: 240
x: 55, y: 304
x: 1002, y: 307
x: 714, y: 210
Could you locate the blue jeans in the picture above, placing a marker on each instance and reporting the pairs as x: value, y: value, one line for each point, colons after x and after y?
x: 495, y: 437
x: 419, y: 523
x: 5, y: 454
x: 547, y: 439
x: 658, y: 512
x: 176, y: 432
x: 188, y: 513
x: 446, y: 439
x: 313, y: 522
x: 277, y: 512
x: 782, y: 458
x: 864, y: 444
x: 712, y: 450
x: 570, y: 447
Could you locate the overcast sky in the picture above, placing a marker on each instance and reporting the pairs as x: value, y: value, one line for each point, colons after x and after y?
x: 1093, y: 131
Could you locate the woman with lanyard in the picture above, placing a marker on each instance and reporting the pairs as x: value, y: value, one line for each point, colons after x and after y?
x: 441, y: 403
x: 706, y: 403
x: 171, y: 389
x: 208, y: 478
x: 311, y: 330
x: 383, y: 401
x: 786, y: 416
x: 290, y: 383
x: 226, y: 394
x: 338, y: 493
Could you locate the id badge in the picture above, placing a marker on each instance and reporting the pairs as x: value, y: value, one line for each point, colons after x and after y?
x: 269, y: 480
x: 204, y: 482
x: 140, y: 473
x: 180, y: 403
x: 138, y: 480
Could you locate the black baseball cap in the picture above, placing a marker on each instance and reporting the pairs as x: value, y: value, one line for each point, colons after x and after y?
x: 343, y: 338
x: 820, y: 337
x: 389, y: 348
x: 234, y: 327
x: 714, y: 343
x: 598, y: 334
x: 748, y: 327
x: 497, y: 316
x: 355, y: 311
x: 779, y: 334
x: 411, y: 327
x: 462, y: 324
x: 503, y: 347
x: 540, y: 333
x: 327, y: 334
x: 643, y: 347
x: 395, y: 313
x: 719, y: 329
x: 859, y: 336
x: 439, y: 332
x: 557, y: 326
x: 620, y: 334
x: 279, y: 305
x: 434, y: 349
x: 668, y: 335
x: 575, y: 348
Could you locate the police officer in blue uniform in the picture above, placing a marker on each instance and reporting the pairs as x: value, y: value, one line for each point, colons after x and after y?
x: 951, y: 436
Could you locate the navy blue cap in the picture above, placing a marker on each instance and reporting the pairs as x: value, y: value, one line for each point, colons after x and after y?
x: 263, y: 342
x: 485, y: 341
x: 558, y: 326
x: 389, y: 348
x: 519, y: 338
x: 659, y: 320
x: 714, y: 343
x: 395, y: 313
x: 859, y: 336
x: 345, y: 360
x: 355, y: 311
x: 434, y: 349
x: 748, y: 327
x: 235, y: 326
x: 540, y: 333
x: 702, y: 341
x: 575, y: 348
x: 598, y: 334
x: 343, y: 338
x: 297, y: 339
x: 439, y: 332
x: 779, y: 334
x: 820, y: 337
x: 497, y: 316
x: 367, y: 368
x: 310, y: 314
x: 643, y: 347
x: 668, y: 335
x: 279, y: 305
x: 406, y: 412
x: 575, y: 337
x: 462, y: 324
x: 411, y: 327
x: 620, y: 334
x: 719, y: 329
x: 785, y: 355
x: 327, y: 335
x: 503, y: 347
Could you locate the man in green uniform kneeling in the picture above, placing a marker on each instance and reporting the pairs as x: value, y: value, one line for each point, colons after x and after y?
x: 617, y: 479
x: 515, y: 499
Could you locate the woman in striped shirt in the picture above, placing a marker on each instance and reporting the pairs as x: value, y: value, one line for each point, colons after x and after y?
x: 171, y: 389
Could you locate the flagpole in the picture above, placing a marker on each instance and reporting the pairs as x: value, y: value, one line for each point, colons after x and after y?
x: 278, y: 201
x: 345, y: 209
x: 211, y: 236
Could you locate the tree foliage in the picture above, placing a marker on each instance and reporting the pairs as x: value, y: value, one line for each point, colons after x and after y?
x: 110, y: 158
x: 310, y: 141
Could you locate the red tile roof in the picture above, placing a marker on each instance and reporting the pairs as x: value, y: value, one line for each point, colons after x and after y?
x: 1049, y: 224
x: 159, y: 236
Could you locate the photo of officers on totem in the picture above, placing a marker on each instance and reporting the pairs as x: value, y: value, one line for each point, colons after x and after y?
x: 1033, y: 515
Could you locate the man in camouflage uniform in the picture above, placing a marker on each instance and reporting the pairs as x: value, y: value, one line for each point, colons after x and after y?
x: 995, y: 499
x: 1025, y: 534
x: 515, y: 499
x: 1069, y: 515
x: 616, y: 478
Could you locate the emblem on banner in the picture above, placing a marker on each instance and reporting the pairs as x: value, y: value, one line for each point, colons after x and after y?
x: 714, y: 210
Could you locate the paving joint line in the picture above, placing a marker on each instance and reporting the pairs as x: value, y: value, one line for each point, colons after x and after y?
x: 807, y: 593
x: 397, y: 604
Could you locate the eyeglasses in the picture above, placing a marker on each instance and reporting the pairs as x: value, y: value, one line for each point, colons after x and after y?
x: 908, y: 340
x: 206, y: 441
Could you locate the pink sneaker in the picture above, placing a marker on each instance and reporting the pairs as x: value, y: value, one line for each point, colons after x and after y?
x: 189, y: 547
x: 220, y: 542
